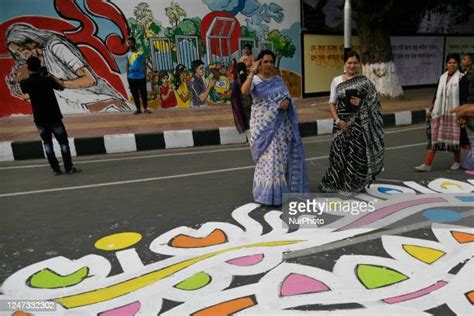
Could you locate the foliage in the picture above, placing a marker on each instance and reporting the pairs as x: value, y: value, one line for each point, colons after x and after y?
x: 143, y: 26
x: 283, y: 45
x: 175, y: 13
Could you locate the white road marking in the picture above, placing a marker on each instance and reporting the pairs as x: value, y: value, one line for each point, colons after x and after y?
x: 177, y: 176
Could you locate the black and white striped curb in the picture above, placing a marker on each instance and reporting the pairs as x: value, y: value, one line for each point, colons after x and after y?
x: 121, y: 143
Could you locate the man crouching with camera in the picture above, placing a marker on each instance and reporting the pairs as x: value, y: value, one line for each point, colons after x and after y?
x: 40, y: 87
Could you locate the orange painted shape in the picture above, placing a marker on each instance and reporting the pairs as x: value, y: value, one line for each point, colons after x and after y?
x: 462, y: 237
x: 470, y: 297
x: 20, y: 313
x: 216, y: 237
x: 227, y: 308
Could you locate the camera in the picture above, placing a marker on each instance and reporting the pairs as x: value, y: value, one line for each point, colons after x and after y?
x: 44, y: 71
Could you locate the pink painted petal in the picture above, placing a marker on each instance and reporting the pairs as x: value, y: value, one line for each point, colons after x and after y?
x: 416, y: 294
x: 296, y: 284
x: 246, y: 261
x: 127, y: 310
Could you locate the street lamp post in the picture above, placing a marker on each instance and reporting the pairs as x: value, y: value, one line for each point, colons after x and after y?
x: 347, y: 27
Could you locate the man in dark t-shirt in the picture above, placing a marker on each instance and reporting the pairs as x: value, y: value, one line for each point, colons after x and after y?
x: 40, y: 87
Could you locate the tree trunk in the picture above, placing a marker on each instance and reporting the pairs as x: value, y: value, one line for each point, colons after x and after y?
x: 277, y: 65
x: 377, y: 55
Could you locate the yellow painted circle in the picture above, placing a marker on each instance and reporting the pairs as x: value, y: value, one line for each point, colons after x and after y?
x: 118, y: 241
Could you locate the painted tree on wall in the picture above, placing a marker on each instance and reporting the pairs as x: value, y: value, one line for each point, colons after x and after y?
x: 283, y: 46
x: 175, y: 13
x: 144, y: 26
x: 245, y: 32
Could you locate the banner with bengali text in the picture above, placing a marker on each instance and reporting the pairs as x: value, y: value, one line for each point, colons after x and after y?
x: 323, y: 60
x: 460, y: 44
x: 418, y: 59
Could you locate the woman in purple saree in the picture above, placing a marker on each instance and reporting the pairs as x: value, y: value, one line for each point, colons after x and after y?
x: 275, y: 141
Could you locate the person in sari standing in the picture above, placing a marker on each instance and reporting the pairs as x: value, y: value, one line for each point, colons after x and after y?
x: 241, y: 104
x: 357, y: 148
x: 444, y: 131
x: 275, y: 141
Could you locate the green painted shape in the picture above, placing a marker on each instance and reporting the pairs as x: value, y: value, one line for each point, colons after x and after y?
x: 195, y: 282
x: 373, y: 277
x: 48, y: 279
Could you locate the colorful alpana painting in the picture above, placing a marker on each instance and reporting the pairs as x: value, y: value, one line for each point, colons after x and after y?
x: 385, y: 269
x: 83, y: 42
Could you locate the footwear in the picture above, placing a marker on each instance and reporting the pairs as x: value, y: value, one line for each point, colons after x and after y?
x: 423, y: 168
x: 147, y: 111
x: 57, y: 172
x: 137, y: 112
x: 455, y: 166
x: 73, y: 170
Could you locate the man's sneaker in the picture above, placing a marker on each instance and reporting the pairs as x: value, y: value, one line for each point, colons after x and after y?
x: 137, y: 112
x: 57, y: 172
x: 455, y: 166
x: 73, y: 170
x: 423, y: 168
x: 147, y: 111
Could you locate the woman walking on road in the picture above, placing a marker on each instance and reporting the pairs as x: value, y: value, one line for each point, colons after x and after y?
x: 443, y: 132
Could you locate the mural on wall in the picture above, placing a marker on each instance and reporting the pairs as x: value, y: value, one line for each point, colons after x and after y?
x: 83, y: 42
x: 75, y: 54
x: 416, y: 275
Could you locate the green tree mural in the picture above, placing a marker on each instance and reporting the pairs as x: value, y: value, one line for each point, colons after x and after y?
x: 143, y: 26
x: 246, y: 33
x: 175, y: 13
x: 282, y: 45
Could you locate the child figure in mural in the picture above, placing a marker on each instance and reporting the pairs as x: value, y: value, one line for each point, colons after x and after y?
x: 83, y: 90
x: 182, y: 90
x: 199, y: 91
x: 136, y: 75
x: 167, y: 96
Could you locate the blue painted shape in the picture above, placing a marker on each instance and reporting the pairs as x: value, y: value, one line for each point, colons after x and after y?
x: 466, y: 198
x: 386, y: 190
x: 442, y: 215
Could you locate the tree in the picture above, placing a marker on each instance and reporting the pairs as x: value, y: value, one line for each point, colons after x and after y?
x: 376, y: 20
x: 143, y: 25
x: 143, y: 15
x: 314, y: 17
x: 376, y: 49
x: 282, y: 45
x: 174, y: 13
x: 245, y: 32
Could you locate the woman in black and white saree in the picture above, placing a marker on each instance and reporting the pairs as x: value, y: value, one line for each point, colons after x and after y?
x: 357, y: 148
